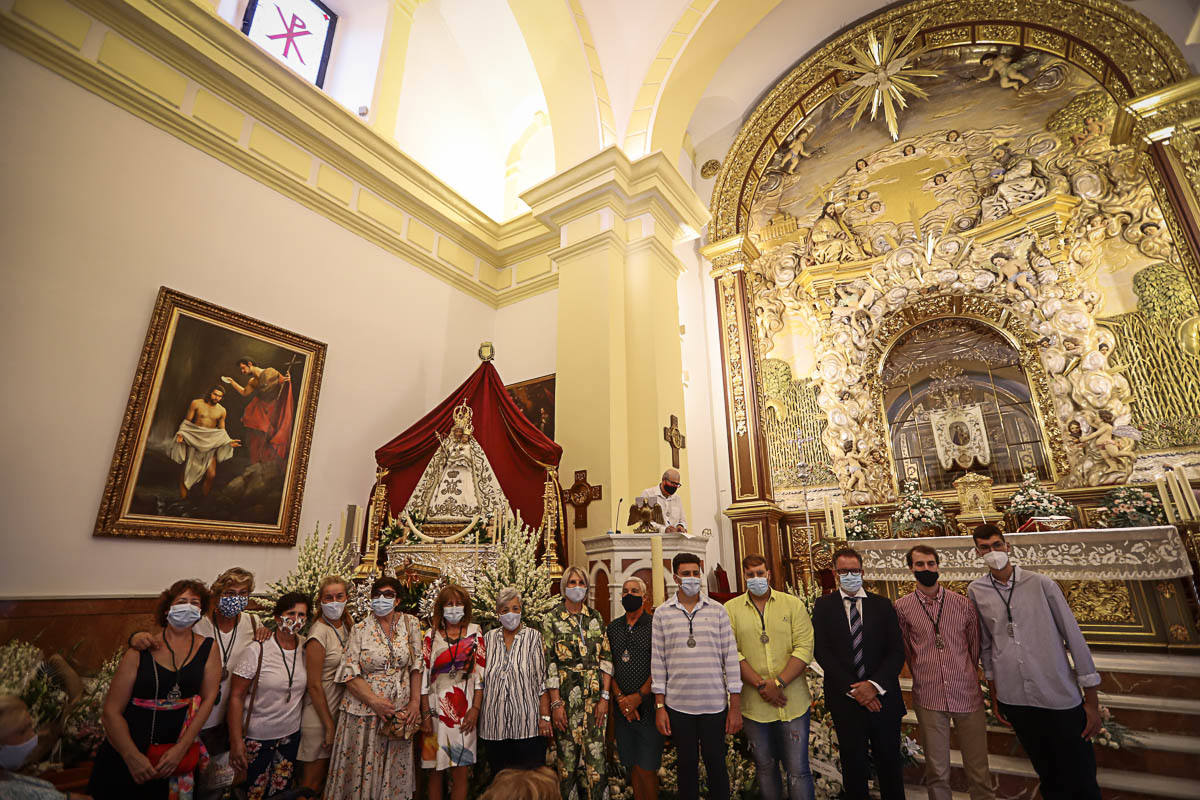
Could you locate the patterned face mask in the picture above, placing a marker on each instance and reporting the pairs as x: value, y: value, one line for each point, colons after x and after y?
x: 232, y: 605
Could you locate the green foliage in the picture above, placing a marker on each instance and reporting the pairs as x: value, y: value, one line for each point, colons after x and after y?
x: 316, y: 558
x: 1132, y: 507
x: 518, y: 567
x: 23, y: 672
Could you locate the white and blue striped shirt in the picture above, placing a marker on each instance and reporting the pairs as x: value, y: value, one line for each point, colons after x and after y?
x: 695, y: 680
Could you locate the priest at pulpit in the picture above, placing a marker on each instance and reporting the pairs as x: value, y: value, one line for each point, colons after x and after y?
x: 671, y: 504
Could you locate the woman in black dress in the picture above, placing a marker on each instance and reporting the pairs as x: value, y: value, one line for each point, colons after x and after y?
x: 160, y: 696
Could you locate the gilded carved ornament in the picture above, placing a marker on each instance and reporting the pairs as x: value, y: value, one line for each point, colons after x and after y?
x: 1126, y: 54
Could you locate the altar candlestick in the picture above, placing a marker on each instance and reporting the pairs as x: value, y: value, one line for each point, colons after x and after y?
x: 839, y: 520
x: 656, y: 570
x: 1161, y: 483
x: 829, y: 532
x: 1188, y: 494
x: 1177, y: 495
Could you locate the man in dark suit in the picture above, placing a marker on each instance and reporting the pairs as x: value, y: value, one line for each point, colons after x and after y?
x: 859, y: 646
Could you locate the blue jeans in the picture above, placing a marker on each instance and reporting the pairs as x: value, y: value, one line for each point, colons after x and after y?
x: 787, y: 742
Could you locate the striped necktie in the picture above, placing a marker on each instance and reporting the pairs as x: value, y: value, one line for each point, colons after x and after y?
x: 856, y: 644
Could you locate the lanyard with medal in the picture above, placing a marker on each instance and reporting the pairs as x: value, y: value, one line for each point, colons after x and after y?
x: 938, y: 642
x: 628, y: 635
x: 1007, y: 600
x: 691, y: 640
x: 764, y: 638
x: 226, y: 651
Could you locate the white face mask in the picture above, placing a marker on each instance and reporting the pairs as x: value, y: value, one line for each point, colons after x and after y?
x: 575, y: 593
x: 333, y: 611
x: 510, y: 620
x: 996, y: 559
x: 452, y: 614
x: 12, y: 756
x: 183, y: 615
x: 690, y: 585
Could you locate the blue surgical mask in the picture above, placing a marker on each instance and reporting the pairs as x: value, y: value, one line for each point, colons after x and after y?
x: 382, y: 606
x: 183, y: 615
x: 12, y: 756
x: 232, y: 605
x: 333, y: 611
x: 758, y: 586
x: 851, y: 583
x: 575, y: 593
x: 511, y: 620
x: 690, y: 585
x: 453, y: 614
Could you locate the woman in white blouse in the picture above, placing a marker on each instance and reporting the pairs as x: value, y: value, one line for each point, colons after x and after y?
x: 324, y: 652
x: 372, y: 755
x: 267, y: 692
x: 516, y: 708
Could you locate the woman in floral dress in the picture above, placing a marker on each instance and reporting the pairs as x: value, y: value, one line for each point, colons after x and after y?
x: 578, y: 673
x: 382, y: 673
x: 454, y: 655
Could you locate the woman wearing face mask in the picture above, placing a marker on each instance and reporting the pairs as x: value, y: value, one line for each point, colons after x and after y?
x: 372, y: 754
x: 323, y: 655
x: 454, y: 656
x: 578, y: 673
x: 156, y: 704
x: 267, y: 693
x: 18, y: 739
x: 515, y: 719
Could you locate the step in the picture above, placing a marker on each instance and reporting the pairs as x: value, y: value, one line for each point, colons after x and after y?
x: 1116, y: 783
x: 1151, y: 674
x: 1179, y: 715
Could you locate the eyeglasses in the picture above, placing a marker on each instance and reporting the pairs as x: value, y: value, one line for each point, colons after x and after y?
x: 984, y: 547
x: 388, y: 593
x: 849, y: 572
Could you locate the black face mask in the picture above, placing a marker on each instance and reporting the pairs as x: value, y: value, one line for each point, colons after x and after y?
x: 668, y: 489
x: 631, y: 602
x: 926, y: 577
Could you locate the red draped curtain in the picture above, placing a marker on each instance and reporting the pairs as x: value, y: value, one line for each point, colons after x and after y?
x: 518, y: 452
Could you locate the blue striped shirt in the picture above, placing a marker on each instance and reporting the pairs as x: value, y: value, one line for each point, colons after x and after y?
x: 695, y: 680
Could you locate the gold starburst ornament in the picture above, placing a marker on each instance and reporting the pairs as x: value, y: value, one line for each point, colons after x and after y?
x: 885, y: 73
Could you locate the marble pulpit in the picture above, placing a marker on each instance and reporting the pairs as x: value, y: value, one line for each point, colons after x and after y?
x: 613, y: 558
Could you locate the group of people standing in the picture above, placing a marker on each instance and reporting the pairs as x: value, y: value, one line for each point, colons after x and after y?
x: 220, y: 698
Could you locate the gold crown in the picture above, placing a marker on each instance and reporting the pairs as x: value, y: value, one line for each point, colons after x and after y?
x: 462, y: 419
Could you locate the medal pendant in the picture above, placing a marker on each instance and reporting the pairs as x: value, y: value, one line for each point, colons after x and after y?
x: 1010, y: 630
x: 174, y: 695
x: 625, y: 656
x: 764, y: 638
x: 224, y: 674
x: 940, y: 643
x: 691, y: 642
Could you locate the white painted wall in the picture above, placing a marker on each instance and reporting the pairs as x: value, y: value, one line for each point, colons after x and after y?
x: 97, y: 210
x: 526, y: 338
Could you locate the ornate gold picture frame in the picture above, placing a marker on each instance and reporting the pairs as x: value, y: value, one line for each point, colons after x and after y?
x: 215, y: 440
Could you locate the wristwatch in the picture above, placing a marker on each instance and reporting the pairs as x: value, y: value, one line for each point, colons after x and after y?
x: 660, y: 705
x: 760, y: 685
x: 780, y: 684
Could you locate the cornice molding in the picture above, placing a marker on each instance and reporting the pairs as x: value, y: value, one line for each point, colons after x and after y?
x: 203, y: 50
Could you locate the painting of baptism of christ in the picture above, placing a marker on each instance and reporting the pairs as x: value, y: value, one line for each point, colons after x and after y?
x: 217, y: 431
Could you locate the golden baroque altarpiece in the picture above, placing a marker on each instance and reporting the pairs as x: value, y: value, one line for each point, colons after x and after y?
x: 1006, y: 201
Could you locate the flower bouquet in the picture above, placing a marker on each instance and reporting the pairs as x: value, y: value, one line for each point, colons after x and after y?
x: 1031, y: 500
x: 1131, y: 507
x: 859, y: 525
x: 915, y: 513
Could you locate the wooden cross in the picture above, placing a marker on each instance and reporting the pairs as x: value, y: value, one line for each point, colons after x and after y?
x: 580, y: 495
x: 677, y: 441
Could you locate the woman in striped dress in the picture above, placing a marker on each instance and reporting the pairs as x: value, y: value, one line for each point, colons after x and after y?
x: 515, y: 721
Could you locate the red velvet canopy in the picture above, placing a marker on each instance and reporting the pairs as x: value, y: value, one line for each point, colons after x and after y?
x: 518, y: 452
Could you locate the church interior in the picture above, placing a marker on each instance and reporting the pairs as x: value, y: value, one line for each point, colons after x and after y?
x: 445, y: 290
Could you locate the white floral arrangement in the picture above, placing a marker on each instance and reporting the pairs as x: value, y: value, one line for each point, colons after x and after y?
x: 859, y: 525
x: 517, y: 566
x: 915, y: 513
x: 23, y: 672
x: 316, y: 558
x: 1031, y: 500
x: 83, y: 732
x: 1131, y: 507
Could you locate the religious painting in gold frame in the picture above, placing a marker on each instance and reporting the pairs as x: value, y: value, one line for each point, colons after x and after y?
x: 215, y: 439
x: 535, y: 398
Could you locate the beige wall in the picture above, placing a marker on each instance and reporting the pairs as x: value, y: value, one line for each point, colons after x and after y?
x: 97, y: 210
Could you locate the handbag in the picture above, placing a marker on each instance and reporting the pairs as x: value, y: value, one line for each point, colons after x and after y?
x: 394, y: 727
x: 239, y: 775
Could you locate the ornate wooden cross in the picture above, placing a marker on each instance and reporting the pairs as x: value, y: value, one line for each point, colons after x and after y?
x: 580, y: 495
x: 677, y: 441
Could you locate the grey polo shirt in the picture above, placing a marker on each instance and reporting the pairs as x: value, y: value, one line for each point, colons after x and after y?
x: 1030, y: 668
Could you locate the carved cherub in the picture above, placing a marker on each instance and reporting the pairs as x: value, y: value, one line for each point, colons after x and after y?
x: 1007, y: 66
x: 795, y: 151
x: 856, y: 470
x: 1116, y: 454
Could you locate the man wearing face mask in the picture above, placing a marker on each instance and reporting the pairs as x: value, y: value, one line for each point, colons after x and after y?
x: 1026, y: 622
x: 858, y: 644
x: 671, y: 504
x: 941, y: 644
x: 639, y: 744
x: 694, y: 669
x: 775, y: 643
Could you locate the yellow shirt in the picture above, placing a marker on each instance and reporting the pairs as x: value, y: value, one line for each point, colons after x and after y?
x: 789, y: 631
